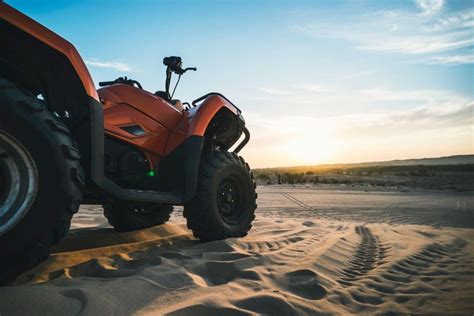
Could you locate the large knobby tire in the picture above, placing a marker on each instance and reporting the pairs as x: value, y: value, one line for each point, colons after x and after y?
x: 225, y: 202
x: 125, y: 217
x: 51, y: 173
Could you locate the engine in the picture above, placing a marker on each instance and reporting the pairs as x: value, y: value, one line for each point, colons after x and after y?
x: 126, y: 165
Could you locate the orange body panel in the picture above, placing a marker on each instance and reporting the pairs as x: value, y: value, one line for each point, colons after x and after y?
x: 143, y: 101
x: 125, y: 105
x: 53, y: 40
x: 152, y: 142
x: 166, y: 125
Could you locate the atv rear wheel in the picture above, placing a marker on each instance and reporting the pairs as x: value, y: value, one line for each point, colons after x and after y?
x: 41, y: 181
x: 18, y: 181
x: 225, y: 203
x: 125, y: 217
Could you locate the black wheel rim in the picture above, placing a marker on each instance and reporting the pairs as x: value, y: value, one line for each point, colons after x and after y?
x: 230, y: 200
x: 18, y: 182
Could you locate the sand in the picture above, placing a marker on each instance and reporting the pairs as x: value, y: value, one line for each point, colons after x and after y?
x: 310, y: 251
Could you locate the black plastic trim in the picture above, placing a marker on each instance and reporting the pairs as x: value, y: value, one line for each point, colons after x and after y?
x: 178, y: 171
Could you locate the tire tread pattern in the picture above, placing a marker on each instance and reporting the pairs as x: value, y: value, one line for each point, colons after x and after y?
x: 31, y: 254
x: 203, y: 225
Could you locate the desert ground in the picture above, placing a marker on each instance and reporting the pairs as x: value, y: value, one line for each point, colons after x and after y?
x: 311, y: 251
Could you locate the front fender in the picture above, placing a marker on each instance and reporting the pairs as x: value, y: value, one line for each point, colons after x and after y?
x: 200, y: 118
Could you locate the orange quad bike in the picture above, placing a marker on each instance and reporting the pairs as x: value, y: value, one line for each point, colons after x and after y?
x: 64, y: 143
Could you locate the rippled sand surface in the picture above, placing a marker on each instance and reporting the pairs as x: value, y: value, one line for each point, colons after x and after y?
x: 310, y: 251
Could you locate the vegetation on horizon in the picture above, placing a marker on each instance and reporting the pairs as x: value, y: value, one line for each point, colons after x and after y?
x: 376, y: 175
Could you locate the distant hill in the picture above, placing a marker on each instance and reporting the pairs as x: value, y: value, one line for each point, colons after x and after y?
x: 448, y: 160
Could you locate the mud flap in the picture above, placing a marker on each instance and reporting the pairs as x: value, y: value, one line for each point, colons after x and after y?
x: 178, y: 171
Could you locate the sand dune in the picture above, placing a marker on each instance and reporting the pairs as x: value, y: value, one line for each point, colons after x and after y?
x: 297, y: 264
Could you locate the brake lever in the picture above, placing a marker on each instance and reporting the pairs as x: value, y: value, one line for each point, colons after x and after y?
x: 186, y: 69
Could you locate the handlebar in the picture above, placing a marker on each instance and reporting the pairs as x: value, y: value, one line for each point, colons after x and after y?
x: 106, y: 83
x: 123, y: 80
x: 189, y: 68
x: 175, y: 63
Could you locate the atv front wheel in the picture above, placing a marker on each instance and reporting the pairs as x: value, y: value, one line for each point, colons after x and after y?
x: 41, y: 181
x: 125, y: 217
x: 225, y: 203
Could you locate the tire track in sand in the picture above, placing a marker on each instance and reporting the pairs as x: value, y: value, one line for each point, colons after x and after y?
x: 368, y: 255
x: 306, y: 206
x: 432, y: 263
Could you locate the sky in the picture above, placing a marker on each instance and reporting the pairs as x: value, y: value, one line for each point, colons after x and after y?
x: 317, y: 81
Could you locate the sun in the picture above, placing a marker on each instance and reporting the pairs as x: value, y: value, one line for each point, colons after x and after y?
x: 310, y: 148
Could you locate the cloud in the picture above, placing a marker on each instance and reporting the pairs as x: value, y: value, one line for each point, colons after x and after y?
x: 452, y: 60
x: 420, y: 96
x: 424, y: 109
x: 358, y: 74
x: 435, y: 117
x: 271, y: 90
x: 297, y: 89
x: 314, y: 88
x: 404, y: 31
x: 108, y: 64
x: 436, y: 120
x: 420, y: 44
x: 460, y: 20
x: 430, y: 6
